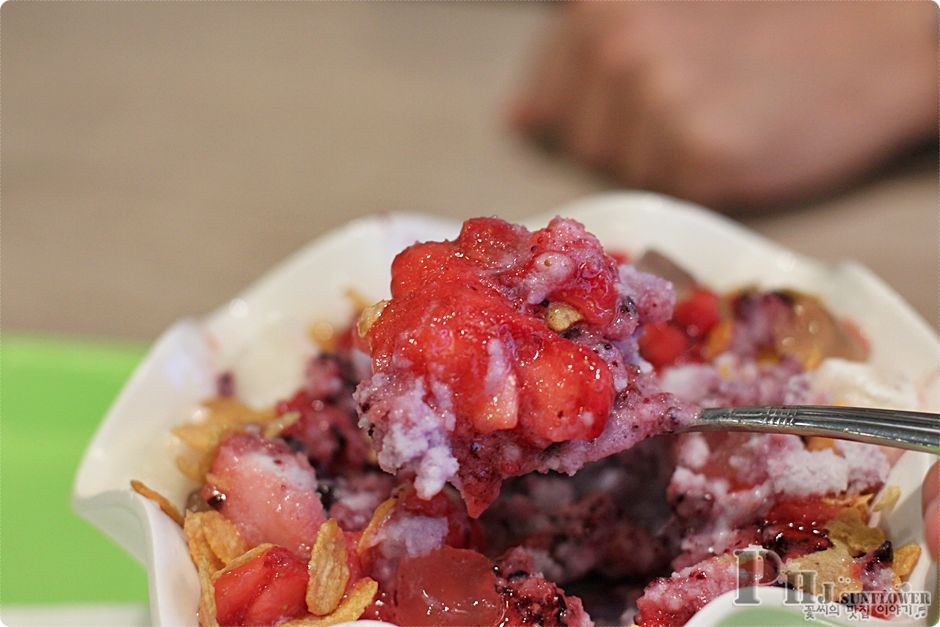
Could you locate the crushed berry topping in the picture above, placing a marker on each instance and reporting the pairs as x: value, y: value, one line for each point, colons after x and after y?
x: 502, y: 346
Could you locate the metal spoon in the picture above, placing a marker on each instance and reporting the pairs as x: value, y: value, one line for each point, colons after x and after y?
x: 913, y: 430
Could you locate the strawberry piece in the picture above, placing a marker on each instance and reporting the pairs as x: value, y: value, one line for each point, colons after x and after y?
x: 591, y: 286
x: 698, y: 314
x: 493, y: 244
x: 268, y: 491
x: 266, y: 590
x: 662, y: 344
x: 811, y: 511
x: 454, y: 315
x: 567, y: 392
x: 501, y: 343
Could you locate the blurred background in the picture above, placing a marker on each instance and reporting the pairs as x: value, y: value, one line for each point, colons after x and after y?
x: 158, y: 157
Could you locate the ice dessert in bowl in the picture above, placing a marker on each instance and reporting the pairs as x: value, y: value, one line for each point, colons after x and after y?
x: 496, y: 462
x: 507, y: 351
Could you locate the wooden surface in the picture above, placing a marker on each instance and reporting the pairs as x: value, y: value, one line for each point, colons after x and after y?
x: 157, y: 157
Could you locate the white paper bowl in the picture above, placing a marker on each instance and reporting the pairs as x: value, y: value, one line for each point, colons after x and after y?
x: 261, y: 335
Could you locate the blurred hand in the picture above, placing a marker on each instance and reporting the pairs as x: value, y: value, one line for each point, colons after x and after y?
x: 930, y: 500
x: 731, y: 103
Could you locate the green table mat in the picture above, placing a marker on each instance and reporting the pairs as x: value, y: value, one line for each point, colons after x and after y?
x: 53, y: 394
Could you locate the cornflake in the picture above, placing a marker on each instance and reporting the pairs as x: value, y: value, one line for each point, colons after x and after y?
x: 359, y: 597
x: 328, y: 569
x: 168, y: 508
x: 849, y: 528
x: 888, y: 499
x: 905, y: 559
x: 222, y: 417
x: 379, y: 517
x: 199, y: 548
x: 834, y: 565
x: 222, y: 536
x: 207, y: 609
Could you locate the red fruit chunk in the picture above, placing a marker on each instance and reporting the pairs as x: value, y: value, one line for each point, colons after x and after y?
x: 424, y: 263
x: 811, y: 511
x: 266, y: 590
x: 662, y: 344
x: 698, y: 314
x: 506, y: 351
x: 459, y: 313
x: 447, y: 587
x: 592, y: 286
x: 557, y: 410
x: 494, y: 244
x: 453, y: 335
x: 268, y: 491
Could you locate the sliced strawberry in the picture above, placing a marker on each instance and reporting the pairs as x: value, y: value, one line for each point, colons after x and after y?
x: 493, y: 244
x: 811, y: 511
x: 699, y: 313
x: 421, y: 264
x: 662, y: 344
x: 498, y: 364
x: 567, y: 392
x: 591, y: 288
x: 266, y: 590
x: 268, y: 491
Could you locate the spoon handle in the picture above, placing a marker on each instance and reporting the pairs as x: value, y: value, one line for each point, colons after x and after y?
x: 917, y: 431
